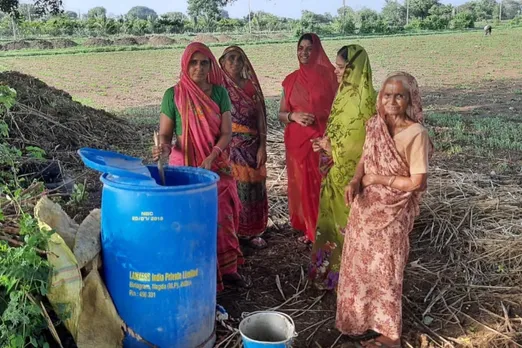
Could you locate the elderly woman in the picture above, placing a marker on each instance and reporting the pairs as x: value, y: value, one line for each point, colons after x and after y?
x: 197, y: 109
x: 340, y: 150
x: 248, y: 145
x: 308, y: 94
x: 384, y: 196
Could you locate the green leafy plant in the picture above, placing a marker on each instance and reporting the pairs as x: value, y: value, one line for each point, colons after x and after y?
x: 24, y: 270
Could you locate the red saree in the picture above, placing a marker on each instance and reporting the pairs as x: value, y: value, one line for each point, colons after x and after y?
x: 201, y: 119
x: 310, y: 89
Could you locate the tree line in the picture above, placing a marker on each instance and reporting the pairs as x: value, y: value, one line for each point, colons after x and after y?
x: 210, y: 16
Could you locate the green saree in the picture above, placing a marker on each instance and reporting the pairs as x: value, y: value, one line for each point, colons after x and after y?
x: 353, y: 106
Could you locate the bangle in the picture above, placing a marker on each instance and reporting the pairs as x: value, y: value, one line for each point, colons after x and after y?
x: 168, y: 146
x: 391, y: 181
x: 288, y: 117
x: 218, y: 149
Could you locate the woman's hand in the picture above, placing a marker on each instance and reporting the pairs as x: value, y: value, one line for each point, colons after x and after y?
x: 261, y: 156
x: 321, y: 144
x: 302, y: 118
x: 351, y: 191
x: 368, y: 179
x: 207, y: 162
x: 162, y: 151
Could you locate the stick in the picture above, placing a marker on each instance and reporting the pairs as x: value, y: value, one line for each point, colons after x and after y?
x: 160, y: 164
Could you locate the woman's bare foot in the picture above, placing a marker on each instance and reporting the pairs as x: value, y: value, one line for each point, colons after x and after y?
x: 304, y: 240
x: 236, y: 280
x: 257, y: 243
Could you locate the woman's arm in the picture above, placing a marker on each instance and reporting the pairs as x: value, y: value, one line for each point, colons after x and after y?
x: 416, y: 182
x: 226, y: 130
x: 223, y: 141
x: 261, y: 124
x: 354, y: 186
x: 166, y: 129
x: 284, y: 115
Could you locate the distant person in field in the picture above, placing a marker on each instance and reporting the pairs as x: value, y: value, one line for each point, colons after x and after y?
x: 384, y: 196
x: 340, y: 150
x: 307, y: 98
x: 487, y: 30
x: 248, y: 145
x: 197, y: 109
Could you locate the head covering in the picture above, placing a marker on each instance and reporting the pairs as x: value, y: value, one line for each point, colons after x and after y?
x: 201, y: 115
x: 247, y: 73
x: 352, y: 107
x: 318, y: 78
x: 414, y: 110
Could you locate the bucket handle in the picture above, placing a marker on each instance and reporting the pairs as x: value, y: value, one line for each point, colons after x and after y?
x: 245, y: 315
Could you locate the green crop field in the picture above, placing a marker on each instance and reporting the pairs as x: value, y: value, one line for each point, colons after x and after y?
x: 120, y: 80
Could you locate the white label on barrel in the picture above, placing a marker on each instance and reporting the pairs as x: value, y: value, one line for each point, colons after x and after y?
x: 147, y: 285
x: 147, y: 216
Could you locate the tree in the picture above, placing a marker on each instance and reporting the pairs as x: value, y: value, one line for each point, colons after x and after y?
x: 41, y: 6
x: 224, y: 14
x: 394, y: 14
x: 97, y: 12
x: 207, y: 10
x: 371, y: 22
x: 142, y: 12
x: 421, y: 8
x: 464, y: 20
x: 71, y: 14
x: 511, y: 8
x: 172, y: 22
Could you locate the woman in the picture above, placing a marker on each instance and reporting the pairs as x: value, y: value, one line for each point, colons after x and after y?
x: 248, y: 145
x: 340, y: 150
x: 308, y: 94
x: 197, y: 109
x: 384, y: 196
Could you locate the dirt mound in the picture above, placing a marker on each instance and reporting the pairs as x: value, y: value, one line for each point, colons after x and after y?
x: 63, y: 43
x: 225, y: 38
x: 97, y: 42
x: 41, y: 44
x: 248, y: 38
x: 206, y: 39
x: 16, y: 45
x: 183, y: 41
x: 125, y: 41
x: 279, y: 36
x: 49, y: 118
x: 142, y: 40
x: 161, y: 41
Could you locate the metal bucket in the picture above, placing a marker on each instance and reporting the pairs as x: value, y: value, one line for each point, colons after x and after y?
x: 267, y: 329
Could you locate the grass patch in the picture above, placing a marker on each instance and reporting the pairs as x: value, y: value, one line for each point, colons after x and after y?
x: 453, y: 133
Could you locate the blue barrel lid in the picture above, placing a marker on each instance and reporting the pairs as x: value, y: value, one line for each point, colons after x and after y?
x: 117, y: 165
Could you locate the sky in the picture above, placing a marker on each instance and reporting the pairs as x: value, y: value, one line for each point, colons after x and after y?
x: 239, y: 9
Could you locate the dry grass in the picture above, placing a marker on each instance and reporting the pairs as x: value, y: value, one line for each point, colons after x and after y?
x: 463, y: 284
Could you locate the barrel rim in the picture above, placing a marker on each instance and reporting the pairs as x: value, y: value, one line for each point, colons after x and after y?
x: 285, y: 316
x: 138, y: 185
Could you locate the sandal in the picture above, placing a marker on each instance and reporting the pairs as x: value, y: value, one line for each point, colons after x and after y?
x: 237, y: 280
x: 257, y: 243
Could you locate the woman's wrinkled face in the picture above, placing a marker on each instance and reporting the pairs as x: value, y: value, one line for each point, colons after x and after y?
x: 304, y: 51
x: 395, y: 98
x: 340, y: 68
x: 234, y: 63
x: 199, y: 67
